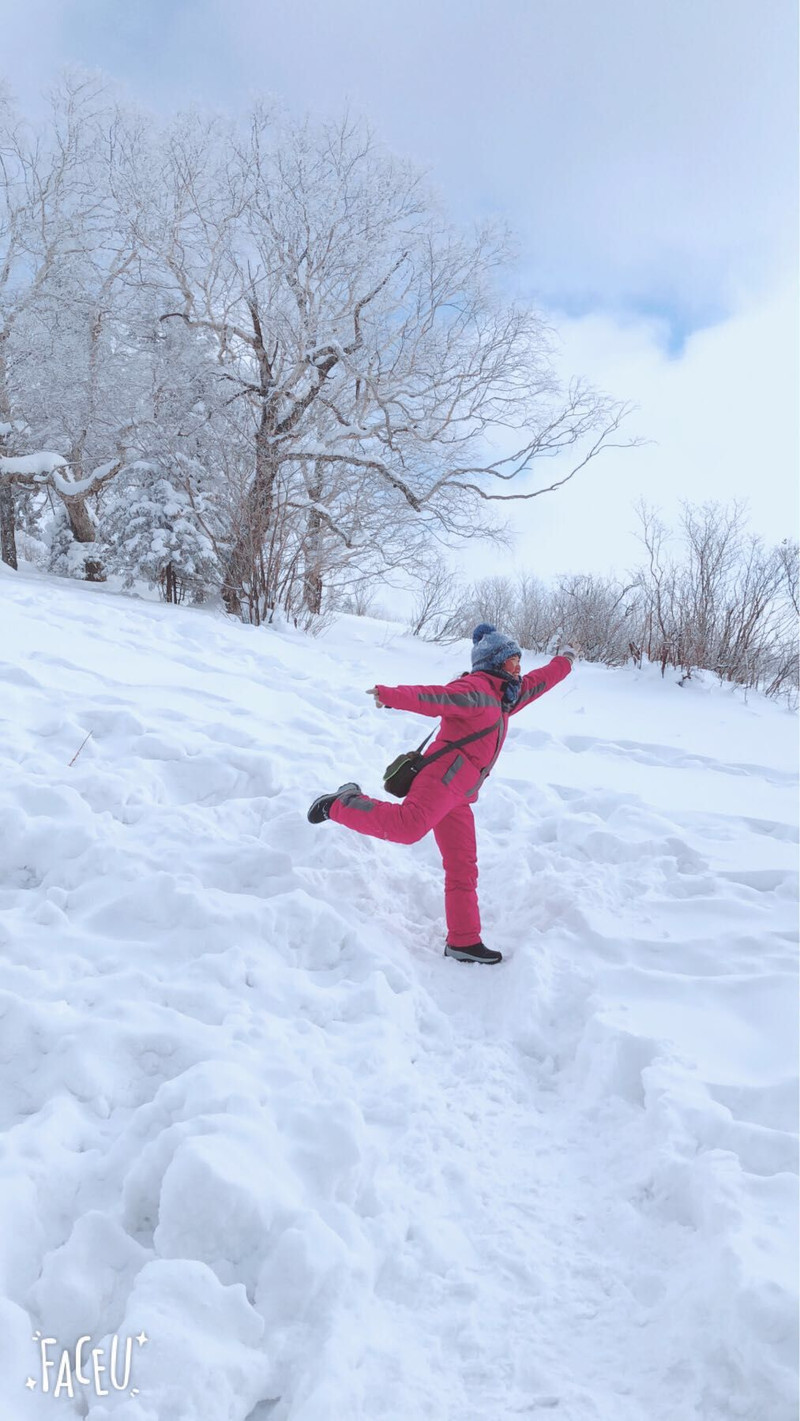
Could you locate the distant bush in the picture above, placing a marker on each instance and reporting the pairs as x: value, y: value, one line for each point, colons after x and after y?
x: 723, y: 602
x: 727, y: 603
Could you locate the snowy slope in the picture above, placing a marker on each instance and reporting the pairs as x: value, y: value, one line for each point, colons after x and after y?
x: 252, y: 1114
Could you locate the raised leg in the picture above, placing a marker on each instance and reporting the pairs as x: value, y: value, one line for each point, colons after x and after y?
x: 428, y: 801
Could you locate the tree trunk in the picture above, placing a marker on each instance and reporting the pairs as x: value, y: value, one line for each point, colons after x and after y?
x: 241, y: 572
x: 312, y: 592
x: 312, y: 577
x: 8, y: 540
x: 170, y: 583
x: 83, y: 531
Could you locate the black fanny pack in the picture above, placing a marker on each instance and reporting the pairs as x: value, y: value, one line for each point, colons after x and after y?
x: 400, y: 775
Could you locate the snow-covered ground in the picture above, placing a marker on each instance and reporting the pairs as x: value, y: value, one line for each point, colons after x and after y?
x: 252, y: 1116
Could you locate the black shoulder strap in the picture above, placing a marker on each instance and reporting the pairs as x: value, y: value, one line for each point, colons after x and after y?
x: 456, y: 744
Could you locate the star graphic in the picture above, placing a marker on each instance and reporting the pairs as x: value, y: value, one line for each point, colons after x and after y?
x: 142, y: 1338
x: 30, y: 1383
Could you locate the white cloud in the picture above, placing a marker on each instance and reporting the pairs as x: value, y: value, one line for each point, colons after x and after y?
x: 639, y: 149
x: 725, y: 420
x: 645, y: 152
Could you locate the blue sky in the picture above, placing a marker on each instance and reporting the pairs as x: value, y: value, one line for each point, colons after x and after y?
x: 644, y: 151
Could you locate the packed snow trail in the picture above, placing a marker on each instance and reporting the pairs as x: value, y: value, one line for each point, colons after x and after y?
x: 251, y: 1113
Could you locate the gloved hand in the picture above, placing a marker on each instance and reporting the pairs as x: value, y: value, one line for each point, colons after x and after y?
x: 373, y: 691
x: 573, y: 652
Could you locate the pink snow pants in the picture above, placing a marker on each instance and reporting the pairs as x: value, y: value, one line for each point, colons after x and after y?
x: 436, y: 803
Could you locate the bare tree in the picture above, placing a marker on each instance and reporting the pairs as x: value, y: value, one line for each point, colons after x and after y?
x: 657, y: 581
x: 363, y: 337
x: 728, y: 605
x: 785, y: 668
x: 534, y: 620
x: 45, y: 202
x: 441, y: 604
x: 279, y: 320
x: 67, y: 274
x: 599, y: 613
x: 708, y: 597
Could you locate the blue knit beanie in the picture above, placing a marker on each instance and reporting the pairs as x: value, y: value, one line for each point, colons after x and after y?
x: 490, y: 648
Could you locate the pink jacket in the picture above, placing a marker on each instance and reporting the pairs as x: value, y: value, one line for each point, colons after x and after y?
x: 472, y: 703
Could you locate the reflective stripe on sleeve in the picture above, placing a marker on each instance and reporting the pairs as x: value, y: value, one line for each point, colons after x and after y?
x: 459, y: 698
x: 532, y: 693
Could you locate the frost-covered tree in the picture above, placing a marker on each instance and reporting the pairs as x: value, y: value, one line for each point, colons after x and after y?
x: 359, y: 335
x: 68, y: 248
x: 279, y: 315
x: 153, y: 534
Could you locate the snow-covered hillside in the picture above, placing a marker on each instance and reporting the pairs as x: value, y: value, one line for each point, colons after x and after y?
x: 252, y: 1116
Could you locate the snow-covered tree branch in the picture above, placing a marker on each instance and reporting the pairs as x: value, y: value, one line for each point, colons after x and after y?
x: 277, y: 317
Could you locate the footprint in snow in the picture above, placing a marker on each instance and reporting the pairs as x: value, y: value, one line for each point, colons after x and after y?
x: 667, y: 757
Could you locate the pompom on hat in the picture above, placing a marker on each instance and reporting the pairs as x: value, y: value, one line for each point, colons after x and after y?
x: 490, y: 648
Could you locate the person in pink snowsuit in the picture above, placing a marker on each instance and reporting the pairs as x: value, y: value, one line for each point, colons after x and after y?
x: 442, y: 794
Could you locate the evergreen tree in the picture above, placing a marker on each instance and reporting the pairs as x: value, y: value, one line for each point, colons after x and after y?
x: 153, y: 535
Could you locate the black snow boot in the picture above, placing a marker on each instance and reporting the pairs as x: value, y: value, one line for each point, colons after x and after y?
x: 476, y: 953
x: 321, y: 808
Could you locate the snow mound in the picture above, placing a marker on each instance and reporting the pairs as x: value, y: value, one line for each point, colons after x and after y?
x: 253, y: 1117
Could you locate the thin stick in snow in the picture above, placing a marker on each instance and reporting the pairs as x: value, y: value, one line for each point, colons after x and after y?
x: 78, y: 751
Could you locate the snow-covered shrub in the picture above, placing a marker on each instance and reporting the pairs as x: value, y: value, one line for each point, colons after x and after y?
x: 152, y: 533
x: 61, y: 544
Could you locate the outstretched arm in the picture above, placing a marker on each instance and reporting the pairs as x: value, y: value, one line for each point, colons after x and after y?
x: 536, y: 683
x: 432, y: 700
